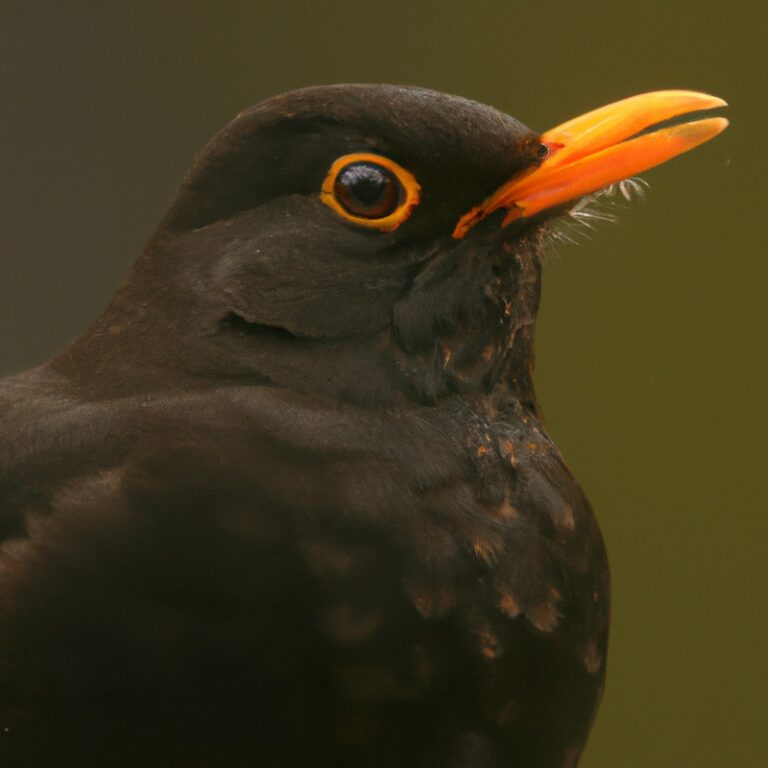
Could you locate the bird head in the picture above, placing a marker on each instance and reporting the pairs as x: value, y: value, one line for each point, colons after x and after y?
x: 373, y: 241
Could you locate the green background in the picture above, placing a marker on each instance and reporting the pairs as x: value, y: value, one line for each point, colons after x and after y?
x: 652, y: 337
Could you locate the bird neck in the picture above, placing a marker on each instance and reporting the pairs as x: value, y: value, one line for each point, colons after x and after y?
x: 465, y: 329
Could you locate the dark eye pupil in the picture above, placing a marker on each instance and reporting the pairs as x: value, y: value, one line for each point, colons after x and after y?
x: 542, y: 151
x: 368, y: 190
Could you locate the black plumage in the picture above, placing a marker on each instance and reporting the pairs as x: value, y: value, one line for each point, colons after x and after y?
x: 289, y: 502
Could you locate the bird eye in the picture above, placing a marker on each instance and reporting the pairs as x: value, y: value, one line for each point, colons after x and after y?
x: 370, y: 190
x: 542, y: 151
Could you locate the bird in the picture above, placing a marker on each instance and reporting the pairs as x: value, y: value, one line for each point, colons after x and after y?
x: 290, y: 501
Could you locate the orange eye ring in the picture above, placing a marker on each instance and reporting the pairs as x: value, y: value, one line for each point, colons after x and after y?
x: 404, y: 198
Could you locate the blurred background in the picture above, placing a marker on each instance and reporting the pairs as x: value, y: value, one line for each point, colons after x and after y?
x: 652, y: 354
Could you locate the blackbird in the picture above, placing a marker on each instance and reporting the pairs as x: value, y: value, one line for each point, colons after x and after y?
x: 289, y: 502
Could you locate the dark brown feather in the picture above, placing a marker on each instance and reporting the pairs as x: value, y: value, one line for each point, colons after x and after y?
x: 290, y: 501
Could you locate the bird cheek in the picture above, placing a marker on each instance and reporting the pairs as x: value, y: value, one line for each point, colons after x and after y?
x: 311, y: 295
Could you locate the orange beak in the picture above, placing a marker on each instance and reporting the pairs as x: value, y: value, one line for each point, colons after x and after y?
x: 601, y: 147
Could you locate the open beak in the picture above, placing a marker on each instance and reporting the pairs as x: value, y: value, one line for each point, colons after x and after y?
x: 601, y: 147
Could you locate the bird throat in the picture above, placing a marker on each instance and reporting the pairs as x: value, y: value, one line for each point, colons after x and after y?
x: 467, y: 326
